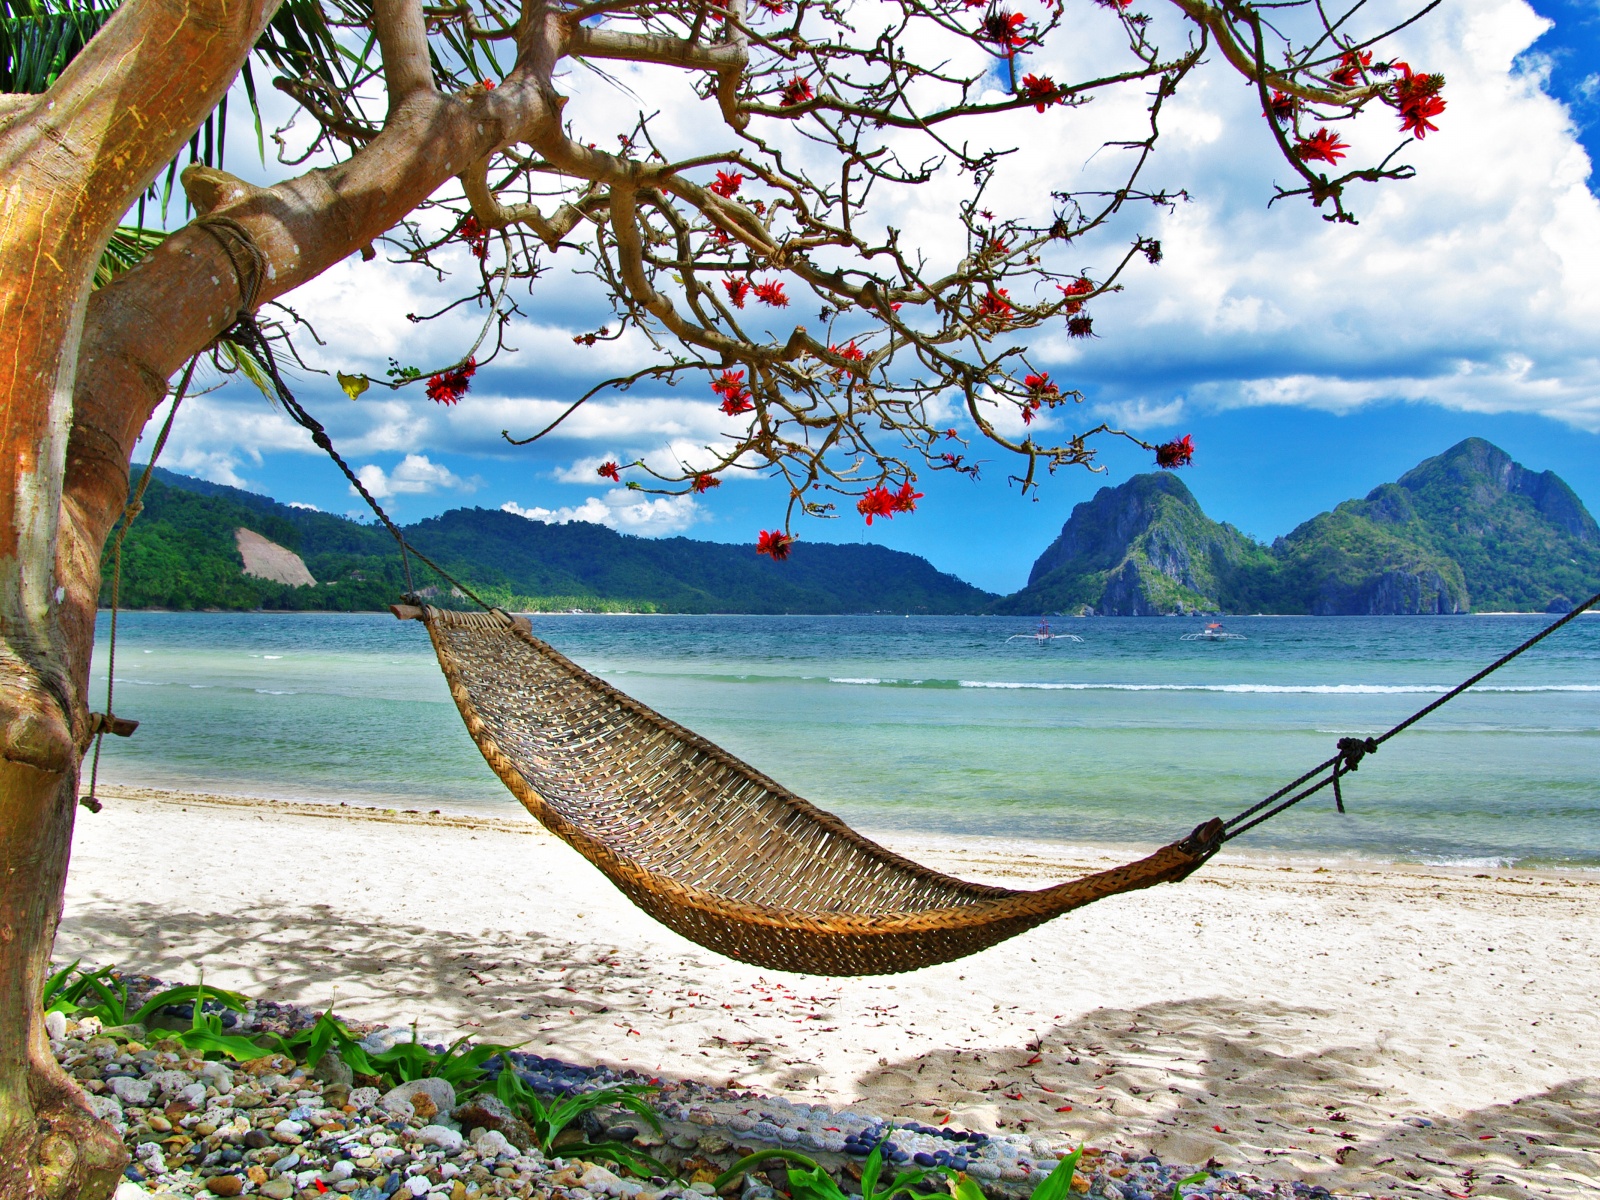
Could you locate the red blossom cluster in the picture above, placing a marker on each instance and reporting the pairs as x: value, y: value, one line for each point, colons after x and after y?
x: 727, y: 183
x: 881, y: 502
x: 776, y: 7
x: 1172, y: 455
x: 447, y: 387
x: 735, y: 396
x: 771, y: 292
x: 996, y: 306
x: 1283, y: 107
x: 1324, y: 146
x: 796, y: 91
x: 1417, y: 97
x: 488, y: 85
x: 1078, y: 287
x: 1040, y: 392
x: 609, y: 470
x: 775, y: 543
x: 1080, y: 326
x: 704, y: 483
x: 1348, y: 73
x: 476, y: 237
x: 1004, y: 29
x: 1042, y: 90
x: 738, y: 289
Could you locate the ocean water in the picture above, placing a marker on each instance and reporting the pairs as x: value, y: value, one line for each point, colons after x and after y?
x: 934, y: 724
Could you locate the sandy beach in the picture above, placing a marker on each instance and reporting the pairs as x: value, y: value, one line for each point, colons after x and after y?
x: 1373, y: 1028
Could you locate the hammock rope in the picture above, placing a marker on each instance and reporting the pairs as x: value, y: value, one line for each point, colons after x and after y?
x: 713, y: 848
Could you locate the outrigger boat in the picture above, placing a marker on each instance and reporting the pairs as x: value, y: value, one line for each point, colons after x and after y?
x: 1043, y: 634
x: 1214, y: 632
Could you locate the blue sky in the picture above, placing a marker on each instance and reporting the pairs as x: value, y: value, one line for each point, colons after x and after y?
x: 1310, y: 362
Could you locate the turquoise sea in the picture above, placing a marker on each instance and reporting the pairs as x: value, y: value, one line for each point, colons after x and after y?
x: 934, y: 724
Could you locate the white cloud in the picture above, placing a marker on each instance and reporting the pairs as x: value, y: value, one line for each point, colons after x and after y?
x: 415, y: 475
x: 302, y: 504
x: 622, y: 510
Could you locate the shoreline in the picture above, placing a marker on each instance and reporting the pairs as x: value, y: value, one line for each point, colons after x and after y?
x: 1414, y: 1030
x: 1077, y: 853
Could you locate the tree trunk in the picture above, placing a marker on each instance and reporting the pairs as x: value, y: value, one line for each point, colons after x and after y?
x: 71, y: 162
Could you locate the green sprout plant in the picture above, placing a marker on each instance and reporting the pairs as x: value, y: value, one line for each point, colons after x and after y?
x: 548, y: 1120
x: 814, y: 1183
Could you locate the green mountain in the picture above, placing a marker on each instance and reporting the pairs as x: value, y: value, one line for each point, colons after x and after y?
x: 1138, y: 550
x: 184, y: 551
x: 1467, y: 530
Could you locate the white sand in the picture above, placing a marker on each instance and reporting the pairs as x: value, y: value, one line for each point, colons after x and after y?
x: 1282, y: 1016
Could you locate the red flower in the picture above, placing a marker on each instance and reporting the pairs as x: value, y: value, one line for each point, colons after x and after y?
x: 1416, y: 95
x: 1348, y: 73
x: 1004, y: 29
x: 704, y: 483
x: 488, y: 85
x: 905, y: 500
x: 1078, y: 287
x: 1080, y: 326
x: 608, y: 470
x: 476, y: 237
x: 447, y: 387
x: 771, y: 293
x: 1323, y: 145
x: 727, y: 184
x: 1042, y: 90
x: 1039, y: 385
x: 1172, y: 455
x: 774, y: 543
x: 878, y: 502
x: 776, y: 7
x: 850, y: 353
x: 737, y: 405
x: 738, y: 289
x: 729, y: 383
x: 996, y: 306
x: 796, y: 91
x: 1284, y: 106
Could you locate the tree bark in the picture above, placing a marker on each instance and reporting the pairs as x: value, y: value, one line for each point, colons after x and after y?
x: 71, y: 162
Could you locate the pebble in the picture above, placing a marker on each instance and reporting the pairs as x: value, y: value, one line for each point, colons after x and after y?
x: 55, y: 1025
x: 271, y: 1129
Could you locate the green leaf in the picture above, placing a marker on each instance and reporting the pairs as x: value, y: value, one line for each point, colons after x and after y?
x: 1058, y: 1184
x: 1197, y: 1177
x: 189, y: 993
x: 871, y: 1170
x: 966, y: 1188
x: 761, y: 1156
x: 813, y: 1185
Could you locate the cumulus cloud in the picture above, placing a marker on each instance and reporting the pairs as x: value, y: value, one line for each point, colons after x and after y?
x: 622, y: 510
x: 414, y: 475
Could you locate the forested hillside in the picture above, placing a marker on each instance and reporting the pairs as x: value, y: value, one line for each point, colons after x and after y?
x: 182, y: 553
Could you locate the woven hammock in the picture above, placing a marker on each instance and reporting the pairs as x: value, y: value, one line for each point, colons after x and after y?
x: 708, y: 845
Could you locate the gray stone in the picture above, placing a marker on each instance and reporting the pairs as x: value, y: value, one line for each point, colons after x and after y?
x: 218, y: 1076
x: 446, y: 1139
x: 170, y: 1082
x: 441, y: 1097
x: 331, y: 1069
x: 490, y: 1112
x: 362, y: 1098
x: 136, y: 1092
x: 277, y: 1189
x: 107, y: 1108
x: 55, y: 1025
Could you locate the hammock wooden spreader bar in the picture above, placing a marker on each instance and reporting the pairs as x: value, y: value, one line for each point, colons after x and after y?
x: 711, y: 847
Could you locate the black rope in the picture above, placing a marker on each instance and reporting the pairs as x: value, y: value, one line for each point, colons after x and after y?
x: 247, y: 334
x: 1352, y: 750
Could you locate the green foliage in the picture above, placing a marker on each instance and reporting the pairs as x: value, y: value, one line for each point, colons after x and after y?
x: 100, y: 994
x: 549, y: 1119
x: 38, y: 38
x: 181, y: 553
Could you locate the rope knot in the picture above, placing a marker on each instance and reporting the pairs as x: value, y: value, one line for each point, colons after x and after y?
x: 322, y: 440
x: 1353, y: 750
